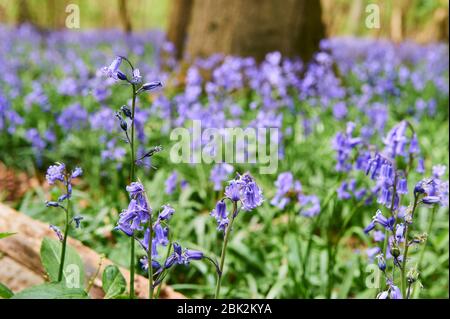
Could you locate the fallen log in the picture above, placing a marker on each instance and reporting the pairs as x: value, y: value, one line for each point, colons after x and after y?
x: 20, y: 263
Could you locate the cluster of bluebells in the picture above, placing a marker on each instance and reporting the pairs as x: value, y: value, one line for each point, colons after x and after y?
x: 58, y: 173
x: 356, y: 154
x: 244, y: 190
x: 381, y: 68
x: 392, y: 184
x: 134, y: 221
x: 290, y: 192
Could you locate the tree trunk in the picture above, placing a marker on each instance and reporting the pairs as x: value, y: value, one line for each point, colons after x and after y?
x: 255, y: 27
x: 124, y: 17
x: 179, y: 17
x: 23, y: 12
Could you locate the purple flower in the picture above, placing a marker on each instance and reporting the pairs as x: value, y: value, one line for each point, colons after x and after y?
x: 219, y: 174
x: 399, y: 232
x: 395, y: 292
x: 135, y: 189
x: 343, y: 144
x: 77, y: 172
x: 439, y: 171
x: 220, y: 211
x: 339, y: 110
x: 77, y: 220
x: 144, y: 264
x: 251, y: 194
x: 182, y: 256
x: 55, y: 173
x: 381, y: 262
x: 171, y: 183
x: 137, y: 78
x: 310, y: 205
x: 73, y: 117
x: 233, y: 191
x: 131, y: 219
x: 190, y: 254
x: 150, y: 86
x: 111, y: 71
x: 166, y: 213
x: 57, y: 231
x: 161, y: 234
x: 402, y: 186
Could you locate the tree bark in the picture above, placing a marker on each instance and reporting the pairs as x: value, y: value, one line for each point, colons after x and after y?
x: 23, y: 12
x: 179, y: 17
x: 124, y: 17
x: 255, y: 27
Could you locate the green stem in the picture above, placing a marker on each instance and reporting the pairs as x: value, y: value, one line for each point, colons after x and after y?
x: 169, y: 248
x: 149, y: 260
x: 405, y: 253
x: 132, y: 177
x: 224, y: 249
x: 64, y: 243
x: 422, y: 252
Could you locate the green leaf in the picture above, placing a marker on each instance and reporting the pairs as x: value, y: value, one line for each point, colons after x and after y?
x: 5, y: 292
x: 51, y: 291
x: 73, y: 274
x: 4, y: 235
x: 113, y: 282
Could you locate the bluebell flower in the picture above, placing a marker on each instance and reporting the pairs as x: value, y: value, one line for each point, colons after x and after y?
x: 77, y: 172
x: 219, y: 174
x: 57, y: 231
x: 190, y: 254
x: 77, y: 220
x: 182, y: 256
x: 383, y: 295
x: 150, y: 86
x: 220, y: 211
x: 166, y: 213
x: 52, y: 204
x: 439, y: 171
x: 387, y: 223
x: 121, y: 76
x: 378, y: 236
x: 310, y: 205
x: 171, y: 183
x: 161, y: 234
x: 402, y: 186
x: 399, y: 232
x: 233, y: 191
x: 131, y: 219
x: 55, y: 173
x: 420, y: 166
x: 111, y: 71
x: 144, y: 264
x: 343, y: 144
x: 135, y: 189
x: 395, y: 292
x: 137, y: 78
x: 381, y: 262
x: 251, y: 194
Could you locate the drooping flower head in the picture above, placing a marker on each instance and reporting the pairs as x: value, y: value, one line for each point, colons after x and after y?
x: 113, y: 68
x: 56, y: 173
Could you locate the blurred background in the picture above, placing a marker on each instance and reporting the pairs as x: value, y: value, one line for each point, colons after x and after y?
x: 245, y: 27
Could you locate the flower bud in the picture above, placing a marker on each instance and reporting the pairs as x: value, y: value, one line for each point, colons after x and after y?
x: 126, y: 111
x: 121, y: 76
x: 412, y: 275
x: 395, y: 251
x: 150, y: 86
